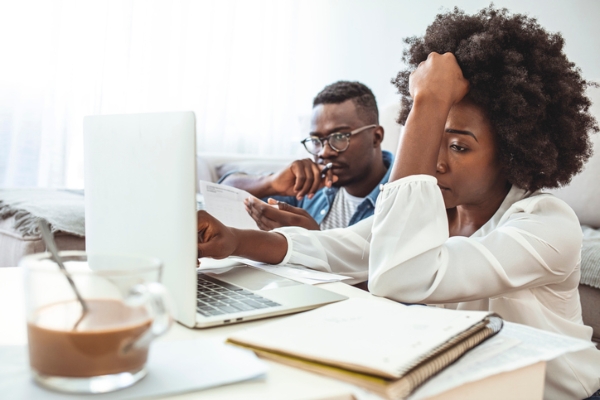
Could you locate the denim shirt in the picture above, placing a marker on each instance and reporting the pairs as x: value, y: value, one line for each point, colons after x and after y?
x: 319, y: 205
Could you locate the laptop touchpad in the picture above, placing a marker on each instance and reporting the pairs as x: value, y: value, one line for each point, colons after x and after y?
x: 254, y: 279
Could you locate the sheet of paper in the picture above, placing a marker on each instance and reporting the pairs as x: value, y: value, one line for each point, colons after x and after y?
x: 516, y: 346
x: 299, y: 274
x: 173, y: 367
x: 207, y: 263
x: 293, y: 272
x: 226, y: 204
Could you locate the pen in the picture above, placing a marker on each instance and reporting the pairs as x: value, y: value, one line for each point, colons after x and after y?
x: 328, y: 166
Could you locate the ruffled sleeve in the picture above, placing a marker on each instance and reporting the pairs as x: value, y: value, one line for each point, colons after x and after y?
x: 343, y: 251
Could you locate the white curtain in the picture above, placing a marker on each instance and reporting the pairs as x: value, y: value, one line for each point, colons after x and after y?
x: 249, y: 69
x: 235, y: 63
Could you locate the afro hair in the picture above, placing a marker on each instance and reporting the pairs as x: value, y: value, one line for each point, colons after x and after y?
x: 518, y: 74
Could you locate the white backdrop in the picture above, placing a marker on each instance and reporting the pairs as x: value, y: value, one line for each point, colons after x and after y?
x: 248, y: 68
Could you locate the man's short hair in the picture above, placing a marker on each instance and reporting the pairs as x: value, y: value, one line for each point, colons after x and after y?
x: 361, y: 95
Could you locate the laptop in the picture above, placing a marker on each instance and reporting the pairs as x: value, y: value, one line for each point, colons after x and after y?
x: 140, y: 198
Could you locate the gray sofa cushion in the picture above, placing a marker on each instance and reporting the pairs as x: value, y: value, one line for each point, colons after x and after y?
x: 590, y: 306
x: 590, y: 257
x: 589, y: 288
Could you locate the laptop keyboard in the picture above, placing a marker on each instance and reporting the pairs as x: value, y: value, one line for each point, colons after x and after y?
x: 216, y: 297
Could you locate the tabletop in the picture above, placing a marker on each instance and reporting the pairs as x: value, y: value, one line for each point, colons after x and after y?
x: 281, y: 381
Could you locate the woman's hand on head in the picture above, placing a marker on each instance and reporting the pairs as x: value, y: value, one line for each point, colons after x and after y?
x: 435, y: 86
x: 439, y: 78
x: 215, y: 239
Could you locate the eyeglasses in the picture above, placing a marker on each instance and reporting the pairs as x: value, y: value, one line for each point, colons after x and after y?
x: 338, y: 141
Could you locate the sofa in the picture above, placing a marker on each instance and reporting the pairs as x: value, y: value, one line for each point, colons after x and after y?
x: 582, y: 194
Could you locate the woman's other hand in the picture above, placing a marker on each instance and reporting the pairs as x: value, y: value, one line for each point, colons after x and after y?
x: 438, y: 78
x: 215, y: 239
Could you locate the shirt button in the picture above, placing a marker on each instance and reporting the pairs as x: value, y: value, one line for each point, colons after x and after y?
x: 323, y: 212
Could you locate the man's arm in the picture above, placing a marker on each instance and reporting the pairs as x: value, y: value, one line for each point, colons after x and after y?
x: 301, y: 178
x: 257, y: 185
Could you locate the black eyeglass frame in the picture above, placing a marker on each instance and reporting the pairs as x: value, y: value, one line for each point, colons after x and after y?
x: 326, y: 139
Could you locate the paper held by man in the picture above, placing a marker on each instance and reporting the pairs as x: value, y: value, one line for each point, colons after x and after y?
x: 226, y: 204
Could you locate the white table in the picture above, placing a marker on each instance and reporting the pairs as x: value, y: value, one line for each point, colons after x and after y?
x: 282, y: 382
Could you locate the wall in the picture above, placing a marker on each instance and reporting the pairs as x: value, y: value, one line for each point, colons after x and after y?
x: 248, y: 68
x: 362, y: 40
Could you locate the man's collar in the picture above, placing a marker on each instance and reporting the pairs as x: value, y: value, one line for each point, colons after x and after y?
x: 388, y: 160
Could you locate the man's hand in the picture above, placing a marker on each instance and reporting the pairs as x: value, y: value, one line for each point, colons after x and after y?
x: 301, y: 178
x: 214, y: 239
x: 276, y: 214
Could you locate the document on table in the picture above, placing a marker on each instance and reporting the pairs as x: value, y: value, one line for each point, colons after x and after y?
x: 226, y: 204
x: 210, y: 264
x: 293, y: 272
x: 516, y: 346
x: 299, y: 273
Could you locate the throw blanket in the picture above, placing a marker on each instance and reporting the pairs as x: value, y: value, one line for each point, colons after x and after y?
x: 63, y: 209
x: 590, y: 257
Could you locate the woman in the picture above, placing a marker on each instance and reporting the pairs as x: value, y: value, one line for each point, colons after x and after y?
x: 496, y: 112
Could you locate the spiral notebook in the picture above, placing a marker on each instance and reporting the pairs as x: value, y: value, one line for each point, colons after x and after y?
x: 385, y: 347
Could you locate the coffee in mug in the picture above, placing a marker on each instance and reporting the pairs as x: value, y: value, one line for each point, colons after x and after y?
x: 105, y: 347
x: 102, y: 344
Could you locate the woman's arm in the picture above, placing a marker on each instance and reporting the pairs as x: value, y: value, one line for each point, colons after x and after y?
x: 219, y: 241
x: 344, y: 251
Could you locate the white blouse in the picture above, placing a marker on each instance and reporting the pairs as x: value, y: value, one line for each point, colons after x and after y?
x: 522, y: 264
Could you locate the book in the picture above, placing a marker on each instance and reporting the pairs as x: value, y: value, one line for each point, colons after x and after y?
x: 383, y: 346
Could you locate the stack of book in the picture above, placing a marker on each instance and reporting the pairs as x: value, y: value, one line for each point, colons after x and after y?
x: 385, y: 347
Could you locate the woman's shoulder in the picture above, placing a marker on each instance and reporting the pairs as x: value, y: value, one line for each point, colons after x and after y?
x: 546, y: 223
x: 544, y: 213
x: 542, y: 203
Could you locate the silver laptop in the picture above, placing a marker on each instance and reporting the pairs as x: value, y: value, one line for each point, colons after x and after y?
x: 140, y: 197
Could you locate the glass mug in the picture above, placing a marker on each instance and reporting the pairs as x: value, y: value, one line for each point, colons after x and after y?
x: 104, y: 348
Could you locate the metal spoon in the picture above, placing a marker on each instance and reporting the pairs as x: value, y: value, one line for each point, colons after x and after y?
x: 51, y: 245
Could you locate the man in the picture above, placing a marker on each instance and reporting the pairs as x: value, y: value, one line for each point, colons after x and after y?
x: 346, y: 137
